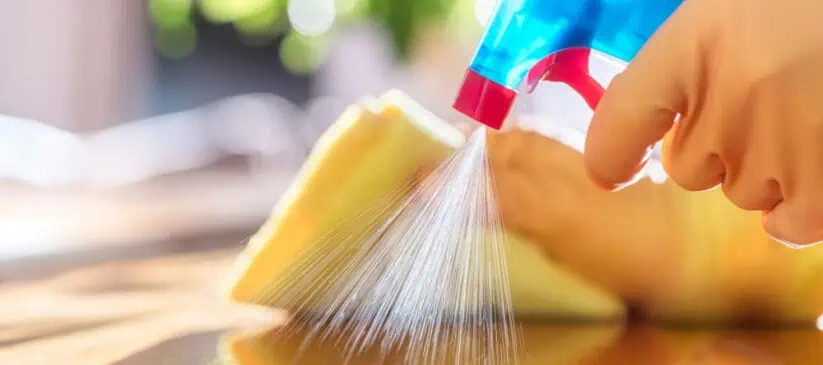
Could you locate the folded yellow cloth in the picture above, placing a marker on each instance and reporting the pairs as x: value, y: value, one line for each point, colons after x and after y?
x: 369, y: 155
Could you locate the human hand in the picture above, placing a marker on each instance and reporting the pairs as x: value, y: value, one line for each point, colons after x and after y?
x: 745, y: 77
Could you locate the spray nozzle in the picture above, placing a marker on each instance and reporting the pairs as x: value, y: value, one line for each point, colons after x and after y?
x: 484, y: 100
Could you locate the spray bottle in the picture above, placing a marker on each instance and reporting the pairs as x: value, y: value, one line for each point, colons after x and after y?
x: 528, y: 41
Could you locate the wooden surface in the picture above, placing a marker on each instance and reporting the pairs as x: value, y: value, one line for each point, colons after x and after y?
x: 166, y: 308
x: 127, y: 275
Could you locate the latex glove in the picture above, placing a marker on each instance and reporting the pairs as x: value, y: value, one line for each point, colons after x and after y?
x: 746, y: 77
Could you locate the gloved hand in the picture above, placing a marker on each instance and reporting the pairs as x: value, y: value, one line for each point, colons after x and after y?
x: 746, y: 78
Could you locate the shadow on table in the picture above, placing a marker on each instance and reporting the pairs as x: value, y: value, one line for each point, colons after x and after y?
x: 193, y: 349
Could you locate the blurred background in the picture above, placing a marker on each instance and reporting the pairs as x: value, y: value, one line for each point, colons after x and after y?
x: 136, y: 121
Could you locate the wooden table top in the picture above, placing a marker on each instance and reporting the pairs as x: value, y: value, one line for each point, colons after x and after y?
x: 166, y: 308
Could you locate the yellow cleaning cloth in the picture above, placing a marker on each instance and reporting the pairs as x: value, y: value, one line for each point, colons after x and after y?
x: 369, y: 155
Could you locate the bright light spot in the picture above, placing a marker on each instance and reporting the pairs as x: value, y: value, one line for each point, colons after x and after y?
x: 312, y: 17
x: 484, y: 9
x: 604, y: 67
x: 820, y: 323
x: 655, y: 169
x: 656, y: 172
x: 222, y: 11
x: 23, y: 237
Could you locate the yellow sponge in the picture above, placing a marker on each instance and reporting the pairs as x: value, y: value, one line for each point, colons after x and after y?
x: 366, y: 156
x: 366, y: 159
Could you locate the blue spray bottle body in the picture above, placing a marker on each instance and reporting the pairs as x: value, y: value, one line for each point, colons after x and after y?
x: 528, y: 40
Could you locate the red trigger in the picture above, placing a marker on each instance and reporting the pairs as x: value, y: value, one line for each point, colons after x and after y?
x: 569, y: 66
x: 539, y: 71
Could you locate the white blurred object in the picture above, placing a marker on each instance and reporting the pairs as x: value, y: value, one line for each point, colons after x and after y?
x: 23, y: 237
x: 139, y: 150
x: 266, y: 129
x: 38, y: 154
x: 312, y: 17
x: 257, y: 124
x: 561, y: 113
x: 483, y: 10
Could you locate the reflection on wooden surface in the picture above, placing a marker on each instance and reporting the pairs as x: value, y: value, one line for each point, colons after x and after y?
x: 548, y: 344
x: 540, y: 344
x: 162, y: 307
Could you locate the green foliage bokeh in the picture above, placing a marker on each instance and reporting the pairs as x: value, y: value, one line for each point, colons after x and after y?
x: 259, y: 21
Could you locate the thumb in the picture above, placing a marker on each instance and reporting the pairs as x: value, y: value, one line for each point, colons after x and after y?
x: 640, y: 105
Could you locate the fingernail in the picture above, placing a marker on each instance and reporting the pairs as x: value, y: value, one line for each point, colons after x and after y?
x: 792, y: 245
x: 772, y: 232
x: 788, y: 244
